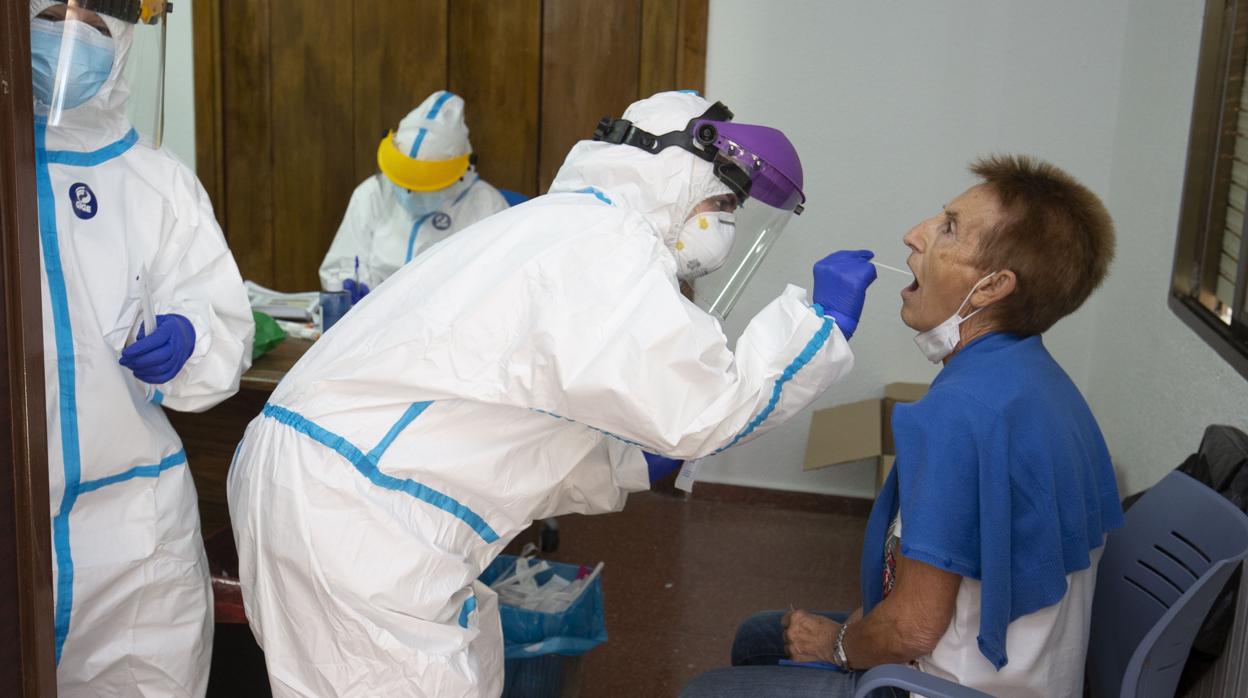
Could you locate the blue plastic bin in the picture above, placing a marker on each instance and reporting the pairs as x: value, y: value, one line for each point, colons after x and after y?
x: 537, y: 644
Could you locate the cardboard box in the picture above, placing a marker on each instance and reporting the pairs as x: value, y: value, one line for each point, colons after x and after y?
x: 858, y: 431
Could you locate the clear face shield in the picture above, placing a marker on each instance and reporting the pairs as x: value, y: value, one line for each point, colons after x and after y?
x: 760, y: 166
x: 758, y: 226
x: 145, y: 71
x: 73, y: 52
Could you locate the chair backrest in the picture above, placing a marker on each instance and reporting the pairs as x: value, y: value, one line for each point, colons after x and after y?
x: 513, y: 197
x: 1158, y: 577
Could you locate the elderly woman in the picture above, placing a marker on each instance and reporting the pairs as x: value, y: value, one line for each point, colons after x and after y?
x: 980, y: 556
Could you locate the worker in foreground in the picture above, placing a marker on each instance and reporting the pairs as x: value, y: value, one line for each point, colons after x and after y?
x: 542, y: 362
x: 142, y: 306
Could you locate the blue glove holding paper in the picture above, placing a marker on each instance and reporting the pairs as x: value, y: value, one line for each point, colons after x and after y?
x: 157, y: 358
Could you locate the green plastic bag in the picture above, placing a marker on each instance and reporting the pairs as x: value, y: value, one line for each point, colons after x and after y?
x: 268, y: 335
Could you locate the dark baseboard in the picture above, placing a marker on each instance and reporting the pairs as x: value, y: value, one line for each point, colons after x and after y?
x: 775, y: 499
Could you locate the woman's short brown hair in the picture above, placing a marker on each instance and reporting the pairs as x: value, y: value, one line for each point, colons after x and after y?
x: 1055, y: 235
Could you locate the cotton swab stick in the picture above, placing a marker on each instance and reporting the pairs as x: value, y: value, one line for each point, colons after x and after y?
x: 891, y: 268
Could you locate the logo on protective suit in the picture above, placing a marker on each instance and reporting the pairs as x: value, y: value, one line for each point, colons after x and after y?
x: 442, y: 221
x: 83, y: 200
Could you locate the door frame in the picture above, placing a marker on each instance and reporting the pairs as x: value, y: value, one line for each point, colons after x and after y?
x: 27, y: 656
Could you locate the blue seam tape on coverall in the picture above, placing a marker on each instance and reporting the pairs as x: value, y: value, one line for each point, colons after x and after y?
x: 433, y: 113
x: 467, y: 189
x: 812, y: 347
x: 808, y: 353
x: 470, y: 605
x: 95, y: 157
x: 597, y: 194
x: 617, y: 437
x: 367, y: 467
x: 165, y: 463
x: 408, y: 417
x: 411, y: 241
x: 64, y: 340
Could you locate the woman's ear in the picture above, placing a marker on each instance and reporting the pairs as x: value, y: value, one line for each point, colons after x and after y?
x: 996, y: 289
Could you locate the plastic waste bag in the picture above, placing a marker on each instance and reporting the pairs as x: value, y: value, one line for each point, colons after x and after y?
x: 547, y: 607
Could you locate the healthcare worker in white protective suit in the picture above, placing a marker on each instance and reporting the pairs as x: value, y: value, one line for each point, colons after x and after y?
x: 514, y: 372
x: 124, y: 225
x: 427, y: 190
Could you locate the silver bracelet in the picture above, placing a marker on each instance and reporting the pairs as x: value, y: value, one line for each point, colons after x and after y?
x: 838, y: 648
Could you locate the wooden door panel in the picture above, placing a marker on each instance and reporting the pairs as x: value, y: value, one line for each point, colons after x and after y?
x: 400, y: 59
x: 247, y: 128
x: 312, y: 120
x: 495, y: 65
x: 294, y: 101
x: 591, y: 56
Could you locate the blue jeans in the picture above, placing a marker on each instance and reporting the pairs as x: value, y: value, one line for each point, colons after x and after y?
x: 755, y: 672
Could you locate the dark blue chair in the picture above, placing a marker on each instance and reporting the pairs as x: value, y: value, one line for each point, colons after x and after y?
x: 513, y: 197
x: 1159, y: 576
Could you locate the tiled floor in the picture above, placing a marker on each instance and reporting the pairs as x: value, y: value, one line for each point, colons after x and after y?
x: 681, y: 573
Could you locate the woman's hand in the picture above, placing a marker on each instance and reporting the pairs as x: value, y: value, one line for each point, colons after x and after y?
x: 809, y: 637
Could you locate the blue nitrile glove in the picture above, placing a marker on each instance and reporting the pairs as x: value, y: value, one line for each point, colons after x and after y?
x: 841, y: 281
x: 356, y: 290
x: 157, y: 358
x: 661, y: 467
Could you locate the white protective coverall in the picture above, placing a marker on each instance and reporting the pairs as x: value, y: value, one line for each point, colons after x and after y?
x: 133, y: 601
x: 506, y: 375
x: 382, y: 232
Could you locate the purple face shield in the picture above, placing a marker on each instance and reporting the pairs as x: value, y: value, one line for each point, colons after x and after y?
x: 757, y: 163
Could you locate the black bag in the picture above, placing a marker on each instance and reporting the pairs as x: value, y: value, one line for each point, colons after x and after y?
x: 1222, y: 464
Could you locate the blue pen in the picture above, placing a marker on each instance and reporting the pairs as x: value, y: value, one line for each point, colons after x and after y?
x: 357, y: 271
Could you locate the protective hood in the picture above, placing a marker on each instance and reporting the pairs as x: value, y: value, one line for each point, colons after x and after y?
x: 430, y: 151
x: 435, y: 130
x: 664, y: 187
x: 102, y: 119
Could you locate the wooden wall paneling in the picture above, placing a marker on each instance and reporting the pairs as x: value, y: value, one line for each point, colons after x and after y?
x: 660, y: 20
x: 495, y: 65
x: 247, y: 133
x: 206, y: 35
x: 210, y: 439
x: 591, y: 52
x: 400, y: 58
x: 312, y: 119
x: 691, y: 52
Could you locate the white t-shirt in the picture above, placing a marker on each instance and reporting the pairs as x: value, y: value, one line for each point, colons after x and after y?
x: 1046, y: 649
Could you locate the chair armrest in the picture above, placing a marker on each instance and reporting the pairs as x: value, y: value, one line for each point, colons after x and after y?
x: 912, y: 680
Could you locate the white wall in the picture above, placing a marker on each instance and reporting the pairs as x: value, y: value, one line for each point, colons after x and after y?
x: 887, y: 103
x: 179, y: 83
x: 1155, y: 385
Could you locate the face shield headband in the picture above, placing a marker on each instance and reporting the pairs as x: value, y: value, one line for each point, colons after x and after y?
x: 698, y: 137
x: 132, y: 11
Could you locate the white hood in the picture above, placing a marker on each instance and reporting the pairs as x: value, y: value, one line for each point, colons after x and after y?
x: 664, y: 187
x: 102, y: 119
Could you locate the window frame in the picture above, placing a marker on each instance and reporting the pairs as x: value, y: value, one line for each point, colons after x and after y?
x: 1223, y: 46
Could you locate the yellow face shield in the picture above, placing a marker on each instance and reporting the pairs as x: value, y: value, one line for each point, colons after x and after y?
x: 418, y: 175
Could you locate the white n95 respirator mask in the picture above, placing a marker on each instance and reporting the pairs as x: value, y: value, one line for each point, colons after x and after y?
x: 704, y: 243
x: 940, y: 341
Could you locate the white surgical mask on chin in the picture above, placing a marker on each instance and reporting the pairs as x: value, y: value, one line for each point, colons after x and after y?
x: 704, y: 244
x: 940, y: 341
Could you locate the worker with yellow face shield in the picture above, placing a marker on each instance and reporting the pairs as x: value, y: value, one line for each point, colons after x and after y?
x: 427, y: 189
